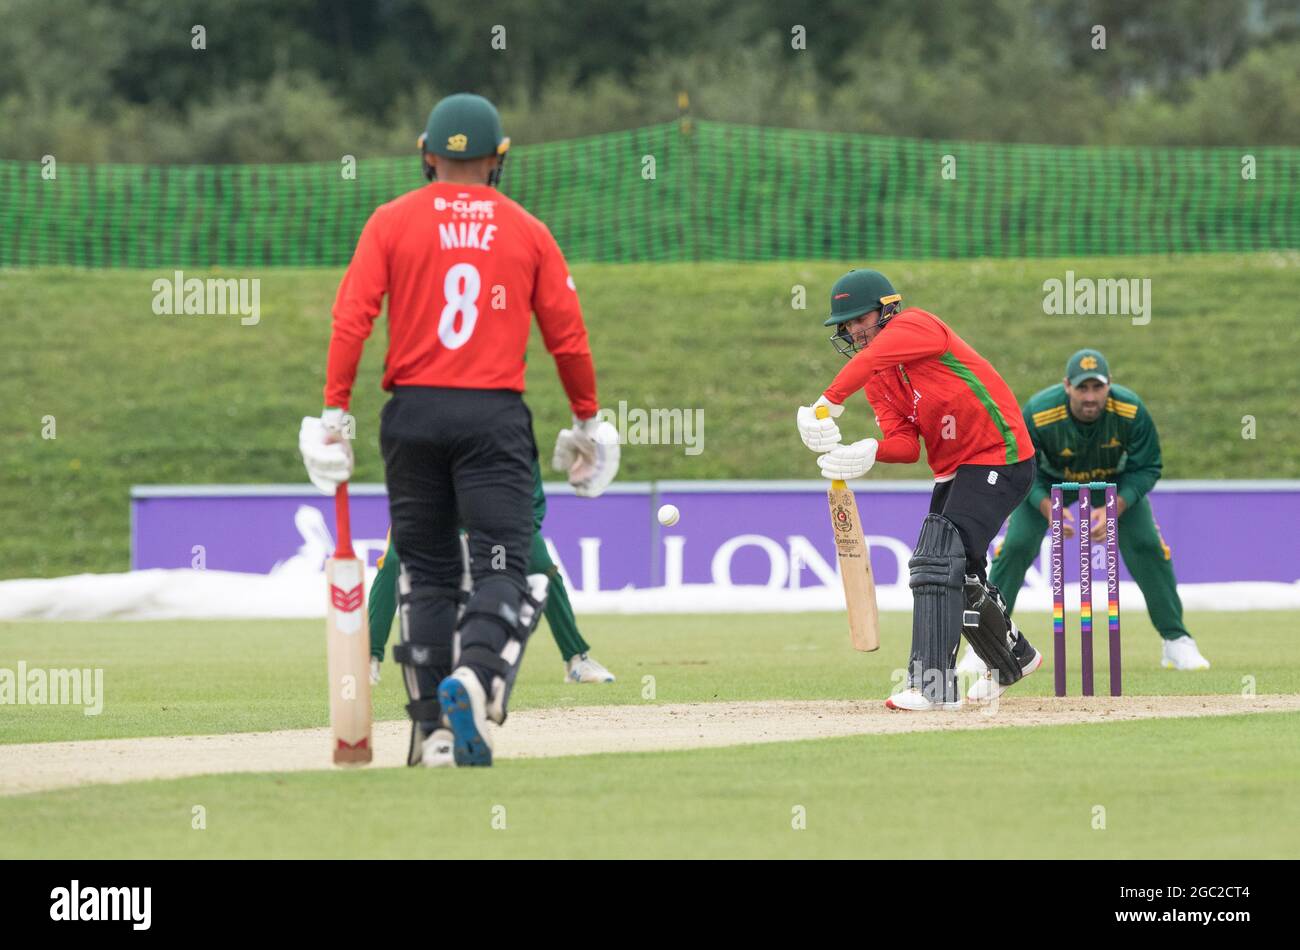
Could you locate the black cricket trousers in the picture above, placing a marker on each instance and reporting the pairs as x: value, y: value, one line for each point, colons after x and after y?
x: 458, y: 458
x: 978, y: 500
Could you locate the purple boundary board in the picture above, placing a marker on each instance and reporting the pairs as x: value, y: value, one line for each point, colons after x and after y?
x: 769, y: 533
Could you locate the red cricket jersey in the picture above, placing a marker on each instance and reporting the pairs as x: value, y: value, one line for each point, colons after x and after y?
x: 926, y: 382
x: 464, y: 268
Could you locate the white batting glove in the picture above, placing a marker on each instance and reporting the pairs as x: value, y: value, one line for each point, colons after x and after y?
x: 819, y: 434
x: 849, y: 461
x: 589, y: 453
x: 325, y: 451
x: 566, y: 450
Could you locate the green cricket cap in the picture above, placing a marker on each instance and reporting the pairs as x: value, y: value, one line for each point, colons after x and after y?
x: 1087, y: 364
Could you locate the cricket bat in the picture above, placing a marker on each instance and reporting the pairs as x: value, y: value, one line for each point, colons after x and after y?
x: 855, y: 563
x: 347, y: 643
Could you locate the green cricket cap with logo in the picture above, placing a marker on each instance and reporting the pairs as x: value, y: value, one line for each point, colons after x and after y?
x: 1087, y: 364
x: 859, y: 292
x: 464, y: 126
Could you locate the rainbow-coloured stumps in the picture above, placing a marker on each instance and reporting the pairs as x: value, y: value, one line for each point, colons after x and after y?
x: 1057, y: 574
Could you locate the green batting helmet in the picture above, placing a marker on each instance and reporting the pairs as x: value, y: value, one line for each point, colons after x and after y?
x: 465, y: 126
x: 858, y: 293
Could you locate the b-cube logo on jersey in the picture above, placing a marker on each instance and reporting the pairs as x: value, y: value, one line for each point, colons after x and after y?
x: 480, y: 209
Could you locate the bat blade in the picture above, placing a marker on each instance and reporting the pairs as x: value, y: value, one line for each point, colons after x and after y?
x: 855, y: 568
x: 348, y: 647
x: 349, y: 661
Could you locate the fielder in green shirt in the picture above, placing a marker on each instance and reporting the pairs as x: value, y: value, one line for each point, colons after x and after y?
x: 579, y: 666
x: 1088, y: 429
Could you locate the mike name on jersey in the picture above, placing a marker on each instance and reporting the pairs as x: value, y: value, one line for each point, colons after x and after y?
x: 475, y: 234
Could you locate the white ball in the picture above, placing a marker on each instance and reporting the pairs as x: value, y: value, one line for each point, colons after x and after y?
x: 668, y: 515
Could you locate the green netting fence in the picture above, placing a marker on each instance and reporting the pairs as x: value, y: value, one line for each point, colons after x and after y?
x: 714, y: 192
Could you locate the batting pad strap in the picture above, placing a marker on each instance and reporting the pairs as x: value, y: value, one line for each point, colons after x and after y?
x: 498, y: 600
x: 485, y: 657
x: 422, y: 710
x: 437, y: 656
x: 432, y: 593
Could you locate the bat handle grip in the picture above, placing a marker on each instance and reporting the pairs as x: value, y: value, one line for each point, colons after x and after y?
x: 823, y: 412
x: 342, y: 523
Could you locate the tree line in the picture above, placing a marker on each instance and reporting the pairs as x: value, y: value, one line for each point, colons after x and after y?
x: 304, y: 80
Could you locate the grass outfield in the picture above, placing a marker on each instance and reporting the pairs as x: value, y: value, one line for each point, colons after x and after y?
x: 1169, y: 789
x: 137, y: 398
x: 1217, y: 787
x: 200, y: 677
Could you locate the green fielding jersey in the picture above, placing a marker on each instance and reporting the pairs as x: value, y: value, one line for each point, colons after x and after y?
x: 1121, y: 446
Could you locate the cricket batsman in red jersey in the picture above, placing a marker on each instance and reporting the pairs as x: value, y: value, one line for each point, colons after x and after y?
x: 463, y: 268
x: 925, y: 382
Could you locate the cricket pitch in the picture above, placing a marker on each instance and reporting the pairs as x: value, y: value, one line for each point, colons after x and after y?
x: 584, y: 730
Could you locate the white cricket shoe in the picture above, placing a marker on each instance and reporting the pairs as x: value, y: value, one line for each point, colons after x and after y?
x: 913, y: 700
x: 971, y: 664
x: 987, y: 688
x: 437, y: 751
x: 583, y: 669
x: 374, y: 671
x: 1182, y: 654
